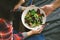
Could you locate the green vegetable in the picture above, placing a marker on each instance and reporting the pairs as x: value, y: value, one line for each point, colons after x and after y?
x: 33, y: 18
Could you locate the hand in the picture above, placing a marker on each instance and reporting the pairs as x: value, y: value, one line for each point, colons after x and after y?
x: 48, y: 9
x: 22, y: 1
x: 38, y: 31
x: 18, y: 5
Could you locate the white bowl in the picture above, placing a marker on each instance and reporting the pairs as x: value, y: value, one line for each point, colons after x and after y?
x: 24, y: 14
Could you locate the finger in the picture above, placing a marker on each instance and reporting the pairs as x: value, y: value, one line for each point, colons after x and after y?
x: 41, y: 29
x: 44, y: 25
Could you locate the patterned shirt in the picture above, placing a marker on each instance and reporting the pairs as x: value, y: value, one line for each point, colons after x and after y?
x: 6, y: 31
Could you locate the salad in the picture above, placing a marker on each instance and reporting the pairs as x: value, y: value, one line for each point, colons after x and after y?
x: 34, y: 18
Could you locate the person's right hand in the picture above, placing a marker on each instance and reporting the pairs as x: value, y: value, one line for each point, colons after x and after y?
x: 38, y: 31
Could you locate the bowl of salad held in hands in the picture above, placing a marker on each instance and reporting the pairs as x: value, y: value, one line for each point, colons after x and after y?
x: 33, y: 18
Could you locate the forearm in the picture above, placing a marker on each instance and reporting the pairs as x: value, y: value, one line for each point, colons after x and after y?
x: 20, y: 2
x: 18, y: 5
x: 51, y: 7
x: 27, y: 34
x: 56, y: 4
x: 33, y: 32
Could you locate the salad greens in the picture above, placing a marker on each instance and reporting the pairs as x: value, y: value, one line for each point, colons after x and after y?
x: 34, y: 18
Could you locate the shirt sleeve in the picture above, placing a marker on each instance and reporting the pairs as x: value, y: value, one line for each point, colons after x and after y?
x: 20, y: 36
x: 24, y: 35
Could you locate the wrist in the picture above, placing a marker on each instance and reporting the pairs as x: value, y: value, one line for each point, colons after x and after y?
x: 53, y: 7
x: 29, y: 33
